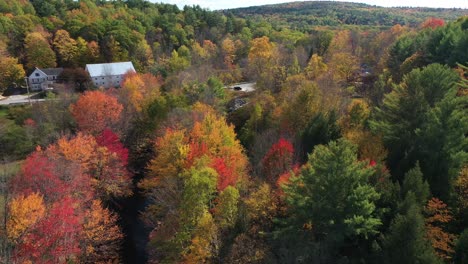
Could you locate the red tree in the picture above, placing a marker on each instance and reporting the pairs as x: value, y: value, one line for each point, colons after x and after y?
x: 38, y: 174
x: 279, y: 159
x: 433, y: 23
x: 54, y: 239
x: 226, y: 175
x: 111, y: 141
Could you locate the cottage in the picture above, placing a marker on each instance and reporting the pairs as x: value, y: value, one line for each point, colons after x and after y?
x: 109, y: 74
x: 41, y: 79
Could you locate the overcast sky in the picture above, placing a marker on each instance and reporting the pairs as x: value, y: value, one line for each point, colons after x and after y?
x: 226, y: 4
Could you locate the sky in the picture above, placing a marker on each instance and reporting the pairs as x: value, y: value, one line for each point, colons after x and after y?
x: 226, y: 4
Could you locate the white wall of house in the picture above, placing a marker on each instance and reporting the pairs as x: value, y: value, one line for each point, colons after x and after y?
x: 36, y: 79
x: 108, y: 81
x: 39, y: 81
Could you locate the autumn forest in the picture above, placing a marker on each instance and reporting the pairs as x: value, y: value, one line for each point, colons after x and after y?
x: 349, y: 146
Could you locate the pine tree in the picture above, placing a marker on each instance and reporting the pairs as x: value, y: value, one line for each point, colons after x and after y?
x: 423, y: 119
x: 331, y: 196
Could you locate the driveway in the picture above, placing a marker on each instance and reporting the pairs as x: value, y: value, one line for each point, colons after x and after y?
x: 18, y: 100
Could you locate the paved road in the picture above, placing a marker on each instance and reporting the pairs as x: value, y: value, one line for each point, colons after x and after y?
x: 245, y: 87
x: 18, y: 99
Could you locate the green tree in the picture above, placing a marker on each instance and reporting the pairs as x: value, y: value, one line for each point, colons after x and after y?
x: 226, y: 210
x: 332, y: 197
x: 38, y: 52
x: 461, y: 250
x: 415, y: 183
x: 406, y: 243
x: 423, y: 119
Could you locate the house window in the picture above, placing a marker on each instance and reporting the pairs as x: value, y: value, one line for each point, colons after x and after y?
x: 37, y: 74
x: 95, y: 79
x: 102, y: 78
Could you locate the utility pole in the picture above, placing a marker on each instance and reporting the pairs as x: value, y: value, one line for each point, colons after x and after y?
x: 27, y: 87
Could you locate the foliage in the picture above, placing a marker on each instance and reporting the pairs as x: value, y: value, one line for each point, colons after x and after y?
x: 278, y: 159
x: 102, y: 236
x: 24, y: 212
x: 11, y: 73
x: 437, y: 218
x: 331, y: 196
x: 424, y: 108
x: 94, y: 111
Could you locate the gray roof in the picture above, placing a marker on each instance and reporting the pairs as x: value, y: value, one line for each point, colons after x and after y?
x: 109, y: 69
x: 52, y: 71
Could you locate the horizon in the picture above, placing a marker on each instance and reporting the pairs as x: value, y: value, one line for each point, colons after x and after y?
x: 225, y: 4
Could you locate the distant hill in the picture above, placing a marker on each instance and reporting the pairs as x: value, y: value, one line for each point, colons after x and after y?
x: 302, y: 15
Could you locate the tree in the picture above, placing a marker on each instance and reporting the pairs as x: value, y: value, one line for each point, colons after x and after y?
x: 139, y: 90
x: 38, y: 52
x: 414, y: 183
x: 11, y: 73
x: 101, y: 235
x: 95, y: 110
x: 204, y: 242
x: 54, y: 239
x: 24, y: 213
x: 322, y: 128
x: 461, y: 255
x: 315, y: 68
x: 461, y: 190
x: 433, y: 23
x: 39, y: 174
x: 227, y: 207
x: 260, y: 55
x: 103, y: 160
x: 438, y: 217
x: 331, y: 195
x: 406, y: 242
x: 66, y: 48
x: 344, y: 66
x: 423, y: 119
x: 278, y: 160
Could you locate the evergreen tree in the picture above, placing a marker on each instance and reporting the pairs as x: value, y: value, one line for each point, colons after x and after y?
x: 461, y: 250
x: 423, y: 119
x: 331, y: 196
x: 406, y: 242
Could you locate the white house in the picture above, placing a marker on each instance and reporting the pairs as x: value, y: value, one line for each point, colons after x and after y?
x: 41, y: 79
x: 109, y: 74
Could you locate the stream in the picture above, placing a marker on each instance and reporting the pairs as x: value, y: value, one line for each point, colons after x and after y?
x: 136, y: 234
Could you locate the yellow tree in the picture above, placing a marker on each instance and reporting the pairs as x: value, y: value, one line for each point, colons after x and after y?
x: 138, y: 90
x: 101, y: 235
x: 315, y: 67
x: 65, y: 46
x: 260, y: 55
x: 24, y: 212
x: 203, y: 244
x: 11, y: 72
x: 344, y: 66
x: 229, y: 51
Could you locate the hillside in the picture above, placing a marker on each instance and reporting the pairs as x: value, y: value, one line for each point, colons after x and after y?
x: 302, y: 15
x: 349, y: 147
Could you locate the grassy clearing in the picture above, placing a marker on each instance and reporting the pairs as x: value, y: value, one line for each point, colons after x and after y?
x: 7, y: 170
x: 3, y: 111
